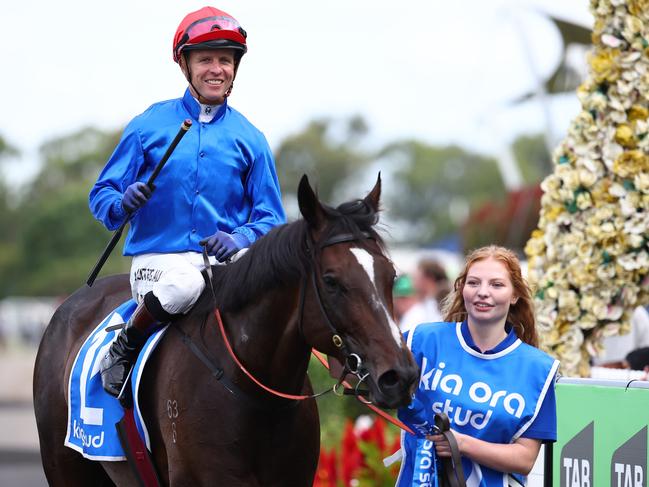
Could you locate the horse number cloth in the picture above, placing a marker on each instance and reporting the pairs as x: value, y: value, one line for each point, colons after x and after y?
x: 92, y: 412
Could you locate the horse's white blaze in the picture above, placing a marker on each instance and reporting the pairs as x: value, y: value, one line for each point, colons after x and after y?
x: 366, y: 261
x: 394, y: 328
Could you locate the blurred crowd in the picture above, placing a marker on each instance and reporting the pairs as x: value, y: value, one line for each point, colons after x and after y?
x: 630, y: 351
x: 417, y: 297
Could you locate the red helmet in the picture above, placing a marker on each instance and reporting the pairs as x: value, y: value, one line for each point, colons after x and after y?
x: 209, y: 28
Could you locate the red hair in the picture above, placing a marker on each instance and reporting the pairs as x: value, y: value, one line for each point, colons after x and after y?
x: 520, y: 315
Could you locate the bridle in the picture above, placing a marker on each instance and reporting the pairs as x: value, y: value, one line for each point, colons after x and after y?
x: 353, y: 364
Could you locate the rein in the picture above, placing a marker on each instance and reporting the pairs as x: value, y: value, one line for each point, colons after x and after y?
x: 284, y: 395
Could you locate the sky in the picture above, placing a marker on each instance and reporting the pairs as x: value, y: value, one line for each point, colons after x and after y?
x: 442, y: 72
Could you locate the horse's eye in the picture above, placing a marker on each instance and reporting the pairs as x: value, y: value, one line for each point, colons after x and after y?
x: 331, y: 282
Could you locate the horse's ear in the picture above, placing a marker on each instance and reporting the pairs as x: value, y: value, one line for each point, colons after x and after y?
x: 372, y: 199
x: 310, y: 206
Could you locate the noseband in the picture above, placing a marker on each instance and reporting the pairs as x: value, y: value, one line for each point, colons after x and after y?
x: 353, y: 363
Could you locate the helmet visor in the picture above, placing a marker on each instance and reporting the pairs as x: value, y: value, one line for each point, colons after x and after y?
x: 208, y: 24
x: 216, y: 27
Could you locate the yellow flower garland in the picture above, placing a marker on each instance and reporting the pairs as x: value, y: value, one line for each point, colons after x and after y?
x: 588, y: 261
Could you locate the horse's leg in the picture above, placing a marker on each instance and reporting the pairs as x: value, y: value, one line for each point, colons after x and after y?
x: 253, y: 448
x: 289, y: 446
x: 297, y: 465
x: 120, y: 473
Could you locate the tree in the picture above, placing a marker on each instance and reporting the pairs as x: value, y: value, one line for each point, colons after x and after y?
x: 71, y: 159
x: 56, y: 240
x: 7, y: 149
x: 434, y: 188
x: 59, y: 243
x: 532, y: 157
x: 328, y: 152
x: 8, y: 221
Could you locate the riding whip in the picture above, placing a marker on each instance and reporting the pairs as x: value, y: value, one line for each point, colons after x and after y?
x: 118, y: 233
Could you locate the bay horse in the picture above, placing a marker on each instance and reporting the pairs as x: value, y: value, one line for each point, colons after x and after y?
x: 304, y: 282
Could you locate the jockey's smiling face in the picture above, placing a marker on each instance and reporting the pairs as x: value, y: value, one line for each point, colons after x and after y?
x: 212, y: 73
x: 488, y: 292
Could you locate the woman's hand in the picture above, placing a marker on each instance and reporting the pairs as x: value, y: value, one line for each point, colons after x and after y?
x: 516, y: 457
x: 442, y: 447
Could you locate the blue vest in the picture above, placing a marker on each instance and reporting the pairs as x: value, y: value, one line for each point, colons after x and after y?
x: 494, y: 397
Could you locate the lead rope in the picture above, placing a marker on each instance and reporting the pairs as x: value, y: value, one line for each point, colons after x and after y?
x: 452, y: 467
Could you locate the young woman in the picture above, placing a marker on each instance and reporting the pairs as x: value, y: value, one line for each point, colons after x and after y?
x: 482, y: 368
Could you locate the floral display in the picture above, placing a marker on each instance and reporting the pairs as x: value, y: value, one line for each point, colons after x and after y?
x: 588, y: 260
x: 358, y: 462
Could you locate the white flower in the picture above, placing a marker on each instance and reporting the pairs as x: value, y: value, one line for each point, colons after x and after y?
x: 611, y: 151
x: 606, y: 272
x: 610, y: 40
x: 632, y: 262
x: 635, y: 240
x: 587, y: 178
x: 617, y: 190
x: 641, y: 182
x: 629, y: 59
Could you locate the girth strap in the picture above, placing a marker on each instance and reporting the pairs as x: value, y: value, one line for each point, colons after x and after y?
x: 221, y: 377
x: 217, y: 372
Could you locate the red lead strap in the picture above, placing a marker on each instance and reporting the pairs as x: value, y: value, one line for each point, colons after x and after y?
x: 217, y: 313
x: 295, y: 397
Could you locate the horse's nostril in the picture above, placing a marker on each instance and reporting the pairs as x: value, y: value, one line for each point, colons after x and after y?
x: 389, y: 380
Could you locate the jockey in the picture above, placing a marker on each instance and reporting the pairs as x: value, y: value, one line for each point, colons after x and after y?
x: 219, y: 188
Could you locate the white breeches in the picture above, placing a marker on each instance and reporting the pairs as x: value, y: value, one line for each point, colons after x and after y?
x: 175, y: 279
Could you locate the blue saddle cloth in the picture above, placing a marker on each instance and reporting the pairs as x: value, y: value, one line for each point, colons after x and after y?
x: 92, y: 412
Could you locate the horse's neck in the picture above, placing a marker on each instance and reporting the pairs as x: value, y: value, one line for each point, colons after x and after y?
x: 266, y: 339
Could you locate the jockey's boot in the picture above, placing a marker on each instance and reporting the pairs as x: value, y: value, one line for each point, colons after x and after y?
x: 117, y: 363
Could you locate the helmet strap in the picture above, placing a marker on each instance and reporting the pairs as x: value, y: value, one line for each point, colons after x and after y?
x: 189, y: 76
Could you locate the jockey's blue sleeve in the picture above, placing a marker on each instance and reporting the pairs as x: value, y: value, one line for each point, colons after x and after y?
x: 221, y: 176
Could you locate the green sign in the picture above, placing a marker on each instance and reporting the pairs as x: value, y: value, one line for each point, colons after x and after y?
x: 602, y: 429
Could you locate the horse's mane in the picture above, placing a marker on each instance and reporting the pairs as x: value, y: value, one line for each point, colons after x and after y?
x: 281, y: 256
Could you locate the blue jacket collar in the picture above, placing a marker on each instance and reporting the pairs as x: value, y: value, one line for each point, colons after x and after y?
x: 507, y: 341
x: 194, y: 109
